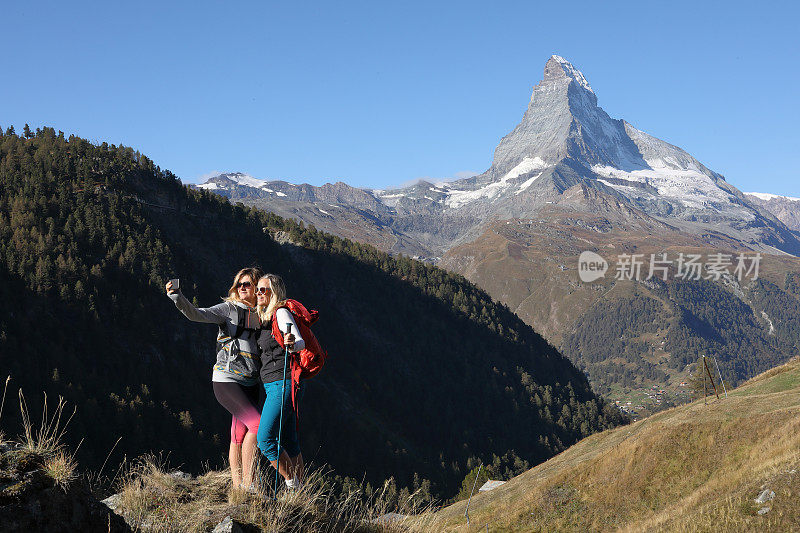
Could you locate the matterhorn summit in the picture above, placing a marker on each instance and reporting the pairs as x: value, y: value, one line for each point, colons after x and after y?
x: 564, y: 125
x: 563, y: 120
x: 565, y: 139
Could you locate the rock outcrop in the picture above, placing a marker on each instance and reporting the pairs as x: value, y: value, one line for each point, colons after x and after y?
x: 32, y: 500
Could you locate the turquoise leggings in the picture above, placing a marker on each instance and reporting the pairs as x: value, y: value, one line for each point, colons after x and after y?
x: 270, y: 419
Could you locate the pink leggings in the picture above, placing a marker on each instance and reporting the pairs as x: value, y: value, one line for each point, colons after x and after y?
x: 241, y: 402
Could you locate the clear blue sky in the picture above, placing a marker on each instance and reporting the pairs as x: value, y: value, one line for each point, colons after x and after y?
x: 377, y: 93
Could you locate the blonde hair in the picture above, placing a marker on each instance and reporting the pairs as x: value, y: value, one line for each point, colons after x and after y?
x: 233, y: 294
x: 277, y: 296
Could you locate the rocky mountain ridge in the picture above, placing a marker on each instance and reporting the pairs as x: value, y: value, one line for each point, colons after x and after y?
x: 563, y: 139
x: 785, y: 208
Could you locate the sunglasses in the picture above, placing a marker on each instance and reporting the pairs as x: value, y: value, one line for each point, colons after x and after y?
x: 262, y: 290
x: 243, y: 285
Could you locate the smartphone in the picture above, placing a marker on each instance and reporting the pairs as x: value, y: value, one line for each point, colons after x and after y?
x: 176, y: 284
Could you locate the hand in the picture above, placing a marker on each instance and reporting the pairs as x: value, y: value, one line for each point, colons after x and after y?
x: 169, y: 288
x: 288, y: 341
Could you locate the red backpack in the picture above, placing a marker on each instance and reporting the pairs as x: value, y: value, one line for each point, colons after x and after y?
x: 309, y: 361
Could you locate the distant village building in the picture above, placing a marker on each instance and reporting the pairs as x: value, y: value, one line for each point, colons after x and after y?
x: 489, y: 485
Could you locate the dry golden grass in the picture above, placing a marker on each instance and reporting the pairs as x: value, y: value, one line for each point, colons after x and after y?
x: 2, y: 405
x: 692, y: 468
x: 61, y: 467
x: 48, y: 437
x: 153, y: 499
x: 44, y: 443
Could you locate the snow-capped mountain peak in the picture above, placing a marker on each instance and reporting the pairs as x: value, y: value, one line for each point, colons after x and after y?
x: 229, y: 180
x: 237, y: 178
x: 571, y: 72
x: 563, y: 120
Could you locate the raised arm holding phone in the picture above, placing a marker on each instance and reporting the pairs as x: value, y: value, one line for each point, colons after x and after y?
x: 235, y: 375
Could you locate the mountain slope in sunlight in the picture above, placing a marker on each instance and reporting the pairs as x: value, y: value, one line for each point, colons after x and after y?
x: 695, y: 467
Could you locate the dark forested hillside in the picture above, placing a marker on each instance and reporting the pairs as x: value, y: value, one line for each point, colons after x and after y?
x: 425, y: 374
x: 749, y: 331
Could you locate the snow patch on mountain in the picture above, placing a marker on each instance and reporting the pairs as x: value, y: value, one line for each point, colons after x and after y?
x: 688, y: 187
x: 237, y: 178
x: 244, y: 179
x: 526, y: 165
x: 625, y: 189
x: 388, y: 199
x: 458, y: 198
x: 527, y: 183
x: 458, y: 194
x: 767, y: 196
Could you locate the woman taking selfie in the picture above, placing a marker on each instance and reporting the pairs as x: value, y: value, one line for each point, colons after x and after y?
x: 235, y: 378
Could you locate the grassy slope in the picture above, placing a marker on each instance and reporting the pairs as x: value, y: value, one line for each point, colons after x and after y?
x: 692, y: 468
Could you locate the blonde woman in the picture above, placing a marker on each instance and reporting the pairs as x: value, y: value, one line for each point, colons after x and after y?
x: 235, y: 377
x: 271, y: 297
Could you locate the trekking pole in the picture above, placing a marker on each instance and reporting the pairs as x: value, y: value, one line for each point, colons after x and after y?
x: 280, y: 420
